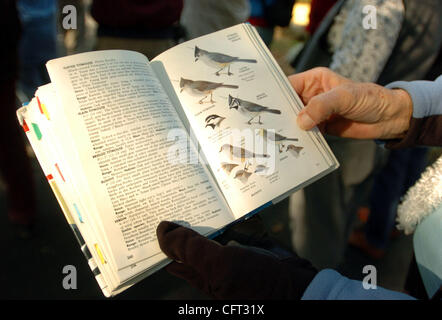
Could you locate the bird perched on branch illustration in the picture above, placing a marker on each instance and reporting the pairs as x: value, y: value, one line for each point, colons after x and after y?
x: 240, y: 153
x: 250, y: 109
x: 275, y: 137
x: 218, y: 60
x: 199, y: 88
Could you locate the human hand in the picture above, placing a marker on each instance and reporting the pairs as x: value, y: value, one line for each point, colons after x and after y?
x: 232, y: 271
x: 348, y: 109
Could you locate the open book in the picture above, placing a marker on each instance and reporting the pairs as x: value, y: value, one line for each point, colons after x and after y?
x: 204, y: 135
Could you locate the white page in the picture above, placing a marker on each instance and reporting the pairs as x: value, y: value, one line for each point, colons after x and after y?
x: 206, y: 216
x: 257, y: 180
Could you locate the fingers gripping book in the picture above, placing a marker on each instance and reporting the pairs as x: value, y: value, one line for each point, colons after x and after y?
x: 204, y: 135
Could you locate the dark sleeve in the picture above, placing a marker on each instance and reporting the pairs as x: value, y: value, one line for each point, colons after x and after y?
x: 426, y: 123
x: 422, y: 132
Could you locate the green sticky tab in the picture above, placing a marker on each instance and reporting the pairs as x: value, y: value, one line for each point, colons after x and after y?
x: 37, y: 131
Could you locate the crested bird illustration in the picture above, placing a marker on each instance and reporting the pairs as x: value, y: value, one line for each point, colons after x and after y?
x: 240, y: 153
x: 218, y: 60
x: 250, y: 109
x: 275, y: 137
x: 200, y: 87
x: 214, y: 121
x: 294, y: 150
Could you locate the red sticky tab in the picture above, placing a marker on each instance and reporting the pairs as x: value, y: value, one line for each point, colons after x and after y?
x: 39, y: 105
x: 49, y: 177
x: 25, y: 126
x: 58, y: 169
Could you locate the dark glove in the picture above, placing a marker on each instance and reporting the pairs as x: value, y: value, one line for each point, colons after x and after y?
x: 232, y: 271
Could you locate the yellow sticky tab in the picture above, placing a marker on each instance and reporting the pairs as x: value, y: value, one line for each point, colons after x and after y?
x: 45, y: 111
x: 100, y: 254
x: 61, y: 201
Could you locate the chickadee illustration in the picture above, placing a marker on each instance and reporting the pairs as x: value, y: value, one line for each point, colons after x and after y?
x: 199, y: 88
x: 240, y: 153
x: 218, y: 60
x: 294, y: 150
x: 250, y: 109
x: 277, y: 138
x: 214, y: 121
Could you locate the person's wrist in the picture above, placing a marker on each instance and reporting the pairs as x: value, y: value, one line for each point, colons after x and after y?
x: 404, y: 105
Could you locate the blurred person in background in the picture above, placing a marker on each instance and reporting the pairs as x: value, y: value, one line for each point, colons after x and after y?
x: 149, y: 27
x: 318, y: 10
x: 403, y: 46
x: 203, y: 17
x: 15, y: 166
x: 265, y: 15
x: 38, y: 43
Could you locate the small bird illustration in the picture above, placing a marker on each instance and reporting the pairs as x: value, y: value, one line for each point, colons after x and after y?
x: 240, y: 153
x: 214, y: 121
x: 199, y: 88
x: 294, y: 150
x: 242, y: 175
x: 218, y: 60
x: 228, y: 167
x: 261, y: 168
x: 275, y: 137
x: 250, y: 109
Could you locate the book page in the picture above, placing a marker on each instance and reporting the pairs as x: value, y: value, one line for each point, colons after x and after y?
x: 117, y: 139
x: 243, y: 112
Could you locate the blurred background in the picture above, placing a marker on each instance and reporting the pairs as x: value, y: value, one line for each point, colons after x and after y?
x: 37, y: 242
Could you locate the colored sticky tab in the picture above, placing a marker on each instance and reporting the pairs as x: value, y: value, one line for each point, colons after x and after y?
x: 100, y: 254
x: 25, y: 126
x: 49, y: 177
x: 42, y: 108
x: 61, y: 201
x: 78, y: 213
x: 45, y: 111
x: 59, y: 172
x: 37, y: 131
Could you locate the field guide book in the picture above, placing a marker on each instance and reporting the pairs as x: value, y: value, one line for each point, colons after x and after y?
x: 204, y: 135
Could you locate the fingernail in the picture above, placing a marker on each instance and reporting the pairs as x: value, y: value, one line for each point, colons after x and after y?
x: 305, y: 122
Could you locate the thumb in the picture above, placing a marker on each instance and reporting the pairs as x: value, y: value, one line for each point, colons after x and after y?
x: 186, y: 246
x: 320, y: 108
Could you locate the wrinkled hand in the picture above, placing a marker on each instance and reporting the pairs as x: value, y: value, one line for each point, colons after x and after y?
x: 348, y: 109
x: 232, y: 271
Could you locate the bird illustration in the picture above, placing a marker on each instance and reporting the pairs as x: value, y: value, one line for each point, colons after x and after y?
x: 214, y: 121
x: 240, y: 153
x: 275, y: 137
x: 242, y: 175
x: 199, y: 88
x: 261, y: 168
x: 228, y: 167
x: 294, y: 150
x: 218, y: 60
x: 250, y: 109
